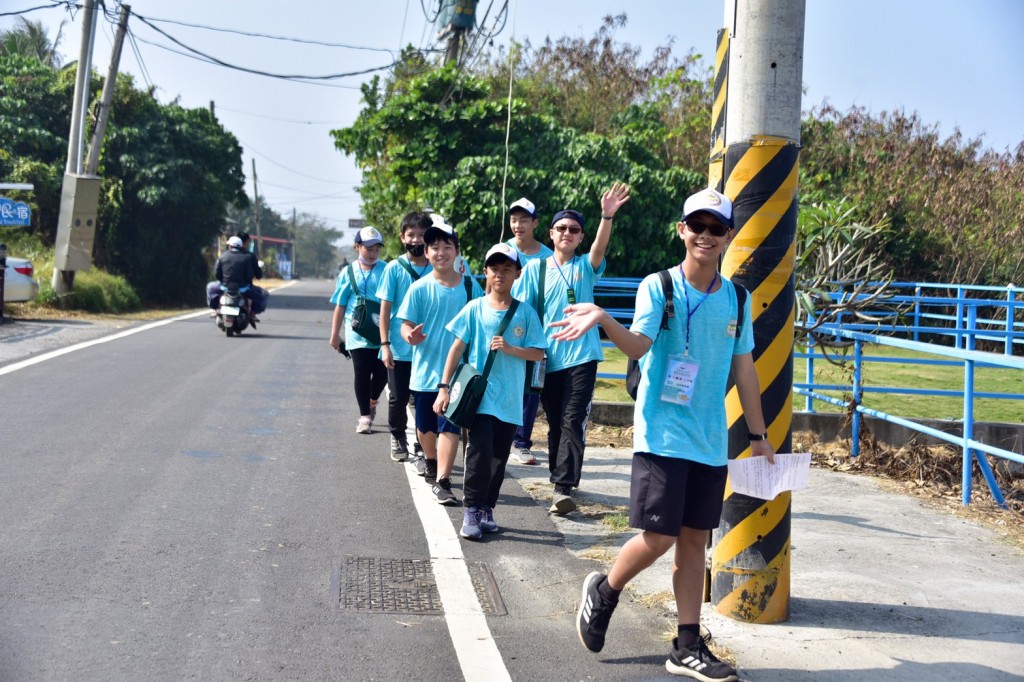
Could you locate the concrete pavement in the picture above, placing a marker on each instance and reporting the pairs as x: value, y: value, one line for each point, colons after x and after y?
x: 882, y: 586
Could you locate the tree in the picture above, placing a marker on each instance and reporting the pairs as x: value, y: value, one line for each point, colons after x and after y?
x: 30, y: 39
x: 416, y: 151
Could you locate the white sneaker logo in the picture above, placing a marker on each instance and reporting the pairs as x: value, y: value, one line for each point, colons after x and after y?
x: 694, y: 663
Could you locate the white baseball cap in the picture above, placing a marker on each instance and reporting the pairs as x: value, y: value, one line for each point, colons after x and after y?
x: 369, y: 236
x: 499, y: 251
x: 524, y: 204
x: 709, y: 201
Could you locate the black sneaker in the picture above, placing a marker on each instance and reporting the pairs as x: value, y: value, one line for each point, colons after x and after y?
x: 430, y: 470
x: 594, y: 613
x: 698, y: 662
x: 443, y: 492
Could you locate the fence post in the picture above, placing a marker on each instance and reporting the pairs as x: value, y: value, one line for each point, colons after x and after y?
x: 1010, y: 315
x: 959, y: 318
x: 917, y: 312
x: 808, y: 400
x: 858, y: 393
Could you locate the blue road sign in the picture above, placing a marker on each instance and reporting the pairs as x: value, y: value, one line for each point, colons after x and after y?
x: 14, y: 213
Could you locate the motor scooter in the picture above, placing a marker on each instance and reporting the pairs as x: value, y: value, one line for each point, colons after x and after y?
x: 233, y: 314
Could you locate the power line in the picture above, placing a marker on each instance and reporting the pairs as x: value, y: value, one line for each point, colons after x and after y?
x: 273, y: 118
x: 280, y: 165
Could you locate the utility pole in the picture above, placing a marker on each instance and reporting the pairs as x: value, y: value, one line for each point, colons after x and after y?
x: 109, y: 85
x: 295, y: 244
x: 256, y: 210
x: 79, y: 202
x: 454, y: 19
x: 764, y: 67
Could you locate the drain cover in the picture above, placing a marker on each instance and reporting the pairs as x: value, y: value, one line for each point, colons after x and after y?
x: 405, y: 586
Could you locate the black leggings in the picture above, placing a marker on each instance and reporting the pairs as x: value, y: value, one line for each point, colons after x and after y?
x: 370, y: 377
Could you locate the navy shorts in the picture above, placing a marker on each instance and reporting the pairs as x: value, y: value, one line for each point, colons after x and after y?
x: 427, y: 421
x: 667, y: 494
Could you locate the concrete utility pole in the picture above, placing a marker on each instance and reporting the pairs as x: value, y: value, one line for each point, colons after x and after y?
x: 763, y: 68
x: 76, y: 223
x: 256, y: 210
x: 109, y: 85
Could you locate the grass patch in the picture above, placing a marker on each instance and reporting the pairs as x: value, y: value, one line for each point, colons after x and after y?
x: 617, y: 521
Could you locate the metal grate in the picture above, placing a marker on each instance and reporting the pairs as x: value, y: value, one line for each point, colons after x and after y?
x: 405, y: 586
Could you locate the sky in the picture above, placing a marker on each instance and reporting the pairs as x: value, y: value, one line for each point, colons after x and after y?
x: 956, y: 63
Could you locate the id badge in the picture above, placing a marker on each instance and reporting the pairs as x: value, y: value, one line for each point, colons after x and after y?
x: 680, y: 379
x: 571, y: 295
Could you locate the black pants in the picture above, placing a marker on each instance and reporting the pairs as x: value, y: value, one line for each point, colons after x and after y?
x: 370, y: 377
x: 490, y: 440
x: 566, y: 398
x: 398, y: 399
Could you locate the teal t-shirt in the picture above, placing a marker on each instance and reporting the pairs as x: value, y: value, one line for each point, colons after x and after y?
x: 476, y: 324
x: 393, y: 286
x: 525, y: 258
x: 347, y: 292
x: 698, y: 430
x: 432, y: 304
x: 579, y: 273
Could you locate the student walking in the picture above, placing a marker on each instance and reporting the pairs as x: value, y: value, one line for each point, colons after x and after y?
x: 478, y: 331
x: 680, y: 432
x: 523, y: 221
x: 395, y: 353
x: 431, y: 302
x: 357, y: 286
x: 565, y: 279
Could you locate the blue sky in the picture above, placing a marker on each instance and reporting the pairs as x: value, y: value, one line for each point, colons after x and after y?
x: 957, y: 63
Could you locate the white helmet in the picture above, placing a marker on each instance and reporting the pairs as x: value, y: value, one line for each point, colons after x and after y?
x: 234, y: 243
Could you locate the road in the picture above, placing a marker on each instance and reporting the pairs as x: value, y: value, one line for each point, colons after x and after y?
x: 175, y: 504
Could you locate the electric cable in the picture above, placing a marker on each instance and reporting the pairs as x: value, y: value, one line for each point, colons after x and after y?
x: 508, y: 121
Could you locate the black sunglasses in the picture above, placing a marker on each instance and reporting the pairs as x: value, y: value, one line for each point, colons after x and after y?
x: 573, y: 229
x: 716, y: 229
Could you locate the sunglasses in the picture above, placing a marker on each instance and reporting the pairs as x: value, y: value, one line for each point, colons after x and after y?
x: 716, y: 229
x: 573, y: 229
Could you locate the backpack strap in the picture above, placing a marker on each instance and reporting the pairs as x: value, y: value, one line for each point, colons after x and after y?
x: 670, y: 305
x: 467, y: 282
x: 408, y: 267
x: 741, y: 302
x: 501, y: 331
x: 541, y: 279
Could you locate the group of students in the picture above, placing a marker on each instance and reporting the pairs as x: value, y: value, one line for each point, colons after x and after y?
x: 432, y: 315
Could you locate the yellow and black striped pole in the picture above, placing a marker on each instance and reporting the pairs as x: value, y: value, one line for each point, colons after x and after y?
x: 721, y: 87
x: 750, y: 561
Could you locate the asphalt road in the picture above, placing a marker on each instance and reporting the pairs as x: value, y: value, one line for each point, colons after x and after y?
x: 175, y: 504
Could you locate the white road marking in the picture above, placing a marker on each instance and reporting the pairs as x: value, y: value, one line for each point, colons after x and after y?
x: 474, y: 645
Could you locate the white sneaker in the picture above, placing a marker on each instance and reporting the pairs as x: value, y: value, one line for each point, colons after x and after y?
x: 364, y: 425
x: 524, y: 456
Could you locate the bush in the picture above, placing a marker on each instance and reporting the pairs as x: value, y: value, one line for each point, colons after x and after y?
x: 97, y: 291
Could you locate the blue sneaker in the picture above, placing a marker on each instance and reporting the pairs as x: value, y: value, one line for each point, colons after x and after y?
x: 471, y: 524
x: 487, y: 523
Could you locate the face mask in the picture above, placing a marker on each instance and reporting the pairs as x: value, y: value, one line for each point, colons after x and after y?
x: 416, y: 250
x: 367, y: 262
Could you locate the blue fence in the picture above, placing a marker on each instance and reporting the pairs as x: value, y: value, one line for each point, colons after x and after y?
x: 958, y: 314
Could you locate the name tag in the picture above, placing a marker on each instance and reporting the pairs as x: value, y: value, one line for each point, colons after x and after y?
x: 680, y: 379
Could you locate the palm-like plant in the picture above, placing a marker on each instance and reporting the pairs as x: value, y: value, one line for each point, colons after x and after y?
x: 30, y: 39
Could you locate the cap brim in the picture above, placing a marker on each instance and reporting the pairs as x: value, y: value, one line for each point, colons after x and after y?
x: 496, y: 258
x: 721, y: 218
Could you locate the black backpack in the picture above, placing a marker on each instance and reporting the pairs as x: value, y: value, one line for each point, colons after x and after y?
x: 633, y: 372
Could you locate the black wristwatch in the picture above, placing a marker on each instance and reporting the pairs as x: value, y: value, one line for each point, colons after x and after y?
x: 440, y: 386
x: 757, y: 436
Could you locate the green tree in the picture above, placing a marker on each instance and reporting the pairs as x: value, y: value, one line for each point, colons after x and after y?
x: 30, y: 39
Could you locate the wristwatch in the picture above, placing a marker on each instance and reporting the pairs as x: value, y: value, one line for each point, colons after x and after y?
x: 757, y: 436
x: 440, y: 386
x: 385, y: 343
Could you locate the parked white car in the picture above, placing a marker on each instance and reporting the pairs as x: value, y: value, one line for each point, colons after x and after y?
x: 18, y: 282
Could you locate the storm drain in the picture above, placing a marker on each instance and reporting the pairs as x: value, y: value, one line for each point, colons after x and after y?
x: 406, y: 586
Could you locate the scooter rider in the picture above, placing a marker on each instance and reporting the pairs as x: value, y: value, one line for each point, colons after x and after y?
x: 235, y: 269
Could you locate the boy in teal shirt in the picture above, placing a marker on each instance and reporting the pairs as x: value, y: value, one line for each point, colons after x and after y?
x: 430, y: 304
x: 500, y: 411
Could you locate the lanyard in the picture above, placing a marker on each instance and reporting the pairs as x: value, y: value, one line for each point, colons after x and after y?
x: 690, y: 313
x: 570, y: 293
x: 423, y: 271
x: 366, y: 278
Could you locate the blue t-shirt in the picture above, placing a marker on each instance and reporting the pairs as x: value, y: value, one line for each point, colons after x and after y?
x: 525, y: 258
x: 578, y: 272
x: 393, y: 287
x: 346, y: 294
x: 697, y: 431
x: 432, y: 304
x: 476, y: 324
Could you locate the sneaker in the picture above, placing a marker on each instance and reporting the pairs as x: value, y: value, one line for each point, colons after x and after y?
x: 364, y: 425
x: 698, y: 662
x: 487, y: 523
x: 399, y: 451
x: 420, y: 464
x: 594, y: 613
x: 443, y: 492
x: 471, y: 528
x: 524, y: 456
x: 430, y: 470
x: 561, y: 501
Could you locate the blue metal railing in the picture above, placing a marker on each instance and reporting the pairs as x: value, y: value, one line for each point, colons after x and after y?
x: 958, y: 317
